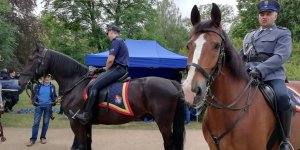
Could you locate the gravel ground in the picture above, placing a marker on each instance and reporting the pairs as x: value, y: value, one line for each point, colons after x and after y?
x: 104, y: 139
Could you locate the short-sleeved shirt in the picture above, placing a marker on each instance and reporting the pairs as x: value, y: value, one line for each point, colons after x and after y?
x: 120, y: 51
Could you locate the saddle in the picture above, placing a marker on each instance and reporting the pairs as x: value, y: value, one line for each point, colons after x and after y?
x: 113, y: 96
x: 103, y: 93
x: 269, y: 95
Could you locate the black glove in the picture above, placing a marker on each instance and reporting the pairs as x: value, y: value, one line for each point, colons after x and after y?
x: 255, y: 74
x: 99, y: 70
x: 96, y: 71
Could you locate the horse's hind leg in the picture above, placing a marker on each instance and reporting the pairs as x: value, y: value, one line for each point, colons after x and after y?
x: 165, y: 128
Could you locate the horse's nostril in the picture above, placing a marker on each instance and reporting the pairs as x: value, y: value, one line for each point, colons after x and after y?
x: 197, y: 90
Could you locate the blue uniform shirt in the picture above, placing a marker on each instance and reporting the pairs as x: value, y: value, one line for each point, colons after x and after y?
x: 120, y: 51
x: 274, y: 41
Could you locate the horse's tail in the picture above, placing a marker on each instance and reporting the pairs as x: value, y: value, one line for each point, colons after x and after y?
x: 178, y: 122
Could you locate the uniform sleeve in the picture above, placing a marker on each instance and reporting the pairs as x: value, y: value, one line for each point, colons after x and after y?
x: 115, y: 47
x: 282, y: 51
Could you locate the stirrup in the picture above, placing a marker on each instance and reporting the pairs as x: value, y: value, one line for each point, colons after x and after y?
x: 286, y: 142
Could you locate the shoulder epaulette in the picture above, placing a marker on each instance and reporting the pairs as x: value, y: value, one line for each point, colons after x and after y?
x: 283, y: 28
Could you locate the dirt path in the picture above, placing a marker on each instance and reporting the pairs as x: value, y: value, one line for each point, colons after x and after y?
x: 104, y: 139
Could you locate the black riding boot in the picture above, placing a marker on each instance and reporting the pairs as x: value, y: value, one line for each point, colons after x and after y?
x: 86, y: 116
x: 285, y: 119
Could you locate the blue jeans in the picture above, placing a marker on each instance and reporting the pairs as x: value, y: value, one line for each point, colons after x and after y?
x: 38, y: 112
x: 187, y: 114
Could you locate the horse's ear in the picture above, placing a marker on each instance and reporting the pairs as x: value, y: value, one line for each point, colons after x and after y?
x: 215, y: 15
x: 195, y: 15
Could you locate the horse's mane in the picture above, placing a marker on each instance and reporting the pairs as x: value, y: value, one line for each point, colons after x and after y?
x: 65, y: 65
x: 232, y: 59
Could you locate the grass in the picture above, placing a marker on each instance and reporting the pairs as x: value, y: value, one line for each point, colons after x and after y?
x: 12, y: 119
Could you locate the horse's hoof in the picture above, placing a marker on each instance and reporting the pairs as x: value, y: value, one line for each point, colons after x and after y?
x: 3, y: 139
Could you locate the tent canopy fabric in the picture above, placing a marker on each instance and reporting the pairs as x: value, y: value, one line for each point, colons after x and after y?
x: 143, y: 53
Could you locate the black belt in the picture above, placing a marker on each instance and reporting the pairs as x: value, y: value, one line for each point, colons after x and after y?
x: 257, y: 58
x: 115, y: 65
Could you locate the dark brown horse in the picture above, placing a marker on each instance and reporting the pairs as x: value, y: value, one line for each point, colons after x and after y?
x: 158, y: 97
x: 237, y: 115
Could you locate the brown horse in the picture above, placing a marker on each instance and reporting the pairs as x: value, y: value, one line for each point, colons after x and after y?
x: 158, y: 97
x: 237, y: 116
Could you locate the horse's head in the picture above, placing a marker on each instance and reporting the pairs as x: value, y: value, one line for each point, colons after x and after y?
x: 35, y: 67
x: 206, y: 50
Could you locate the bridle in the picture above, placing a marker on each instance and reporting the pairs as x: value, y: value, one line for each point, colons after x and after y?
x: 217, y: 68
x: 215, y: 102
x: 29, y: 84
x: 41, y: 60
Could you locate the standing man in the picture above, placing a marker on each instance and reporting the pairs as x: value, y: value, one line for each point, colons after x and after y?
x: 44, y: 96
x: 265, y: 50
x: 116, y: 67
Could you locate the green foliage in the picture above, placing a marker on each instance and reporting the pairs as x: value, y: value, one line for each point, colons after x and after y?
x: 88, y: 20
x: 68, y: 39
x: 7, y: 33
x: 248, y: 18
x: 167, y: 27
x: 293, y: 64
x: 79, y: 27
x: 289, y: 17
x: 228, y: 16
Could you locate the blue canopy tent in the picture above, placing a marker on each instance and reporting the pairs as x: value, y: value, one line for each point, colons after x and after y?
x: 147, y: 58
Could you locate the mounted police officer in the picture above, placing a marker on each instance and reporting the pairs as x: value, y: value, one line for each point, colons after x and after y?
x: 265, y: 50
x: 116, y: 67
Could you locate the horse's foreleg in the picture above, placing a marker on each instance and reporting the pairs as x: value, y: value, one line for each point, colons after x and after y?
x: 75, y: 145
x: 80, y: 135
x: 89, y: 136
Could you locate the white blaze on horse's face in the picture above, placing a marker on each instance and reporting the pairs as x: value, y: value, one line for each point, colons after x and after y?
x: 193, y: 82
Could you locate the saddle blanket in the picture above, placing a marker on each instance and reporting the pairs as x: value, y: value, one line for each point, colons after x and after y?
x: 295, y: 98
x: 117, y: 99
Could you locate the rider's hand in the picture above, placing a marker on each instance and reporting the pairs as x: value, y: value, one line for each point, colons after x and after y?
x: 255, y: 73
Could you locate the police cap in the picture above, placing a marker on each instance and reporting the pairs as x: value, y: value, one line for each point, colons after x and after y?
x: 114, y: 28
x: 268, y: 5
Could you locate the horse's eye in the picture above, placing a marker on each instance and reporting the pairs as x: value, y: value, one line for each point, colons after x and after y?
x: 217, y: 46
